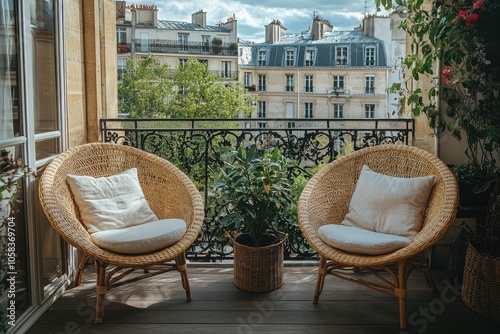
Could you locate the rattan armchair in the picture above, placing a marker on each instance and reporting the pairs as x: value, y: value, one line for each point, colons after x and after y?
x: 325, y: 200
x: 169, y: 192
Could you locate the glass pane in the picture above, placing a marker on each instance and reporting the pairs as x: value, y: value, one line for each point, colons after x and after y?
x: 44, y: 66
x: 10, y: 120
x: 46, y: 148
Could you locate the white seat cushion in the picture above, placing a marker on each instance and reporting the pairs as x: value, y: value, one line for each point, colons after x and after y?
x: 358, y: 240
x: 140, y: 239
x: 110, y: 203
x: 387, y: 204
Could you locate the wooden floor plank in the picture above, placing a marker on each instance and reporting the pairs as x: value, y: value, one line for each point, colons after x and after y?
x: 158, y: 305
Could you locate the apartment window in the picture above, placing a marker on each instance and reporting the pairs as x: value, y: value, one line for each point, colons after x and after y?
x: 289, y: 83
x: 338, y: 83
x: 370, y: 56
x: 338, y: 110
x: 309, y: 58
x: 290, y: 58
x: 226, y: 69
x: 341, y: 55
x: 263, y: 135
x: 183, y: 90
x: 289, y: 107
x: 247, y: 79
x: 144, y: 42
x: 121, y: 35
x: 261, y: 109
x: 262, y: 58
x: 262, y: 82
x: 369, y: 84
x: 182, y: 61
x: 203, y: 61
x: 308, y: 110
x: 369, y: 111
x: 309, y: 83
x: 205, y: 43
x: 121, y: 64
x: 183, y: 42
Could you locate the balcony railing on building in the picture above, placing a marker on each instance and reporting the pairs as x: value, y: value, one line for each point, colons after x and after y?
x: 226, y: 75
x: 178, y: 47
x: 197, y: 145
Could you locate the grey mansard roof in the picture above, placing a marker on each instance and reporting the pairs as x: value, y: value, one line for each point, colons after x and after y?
x: 178, y: 25
x: 325, y: 49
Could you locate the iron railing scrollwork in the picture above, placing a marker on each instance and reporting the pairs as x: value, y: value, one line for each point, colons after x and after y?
x: 196, y: 146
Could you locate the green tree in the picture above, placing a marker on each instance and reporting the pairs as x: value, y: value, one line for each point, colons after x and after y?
x: 145, y: 89
x: 201, y: 94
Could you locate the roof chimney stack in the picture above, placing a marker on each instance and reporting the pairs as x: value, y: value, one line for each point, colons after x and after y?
x: 274, y: 31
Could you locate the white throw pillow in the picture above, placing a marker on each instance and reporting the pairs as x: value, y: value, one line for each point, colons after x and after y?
x: 110, y: 203
x: 387, y: 204
x: 361, y: 241
x: 143, y: 238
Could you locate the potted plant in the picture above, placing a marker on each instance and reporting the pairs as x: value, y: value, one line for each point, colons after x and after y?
x: 217, y: 45
x: 480, y: 286
x: 255, y: 189
x: 461, y: 37
x: 10, y: 172
x: 456, y: 48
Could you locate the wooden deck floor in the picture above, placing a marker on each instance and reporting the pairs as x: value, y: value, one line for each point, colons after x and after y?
x: 157, y: 305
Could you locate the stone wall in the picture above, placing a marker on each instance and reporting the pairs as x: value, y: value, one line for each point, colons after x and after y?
x: 91, y: 79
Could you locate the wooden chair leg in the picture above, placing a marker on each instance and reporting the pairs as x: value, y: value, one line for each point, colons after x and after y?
x: 100, y: 289
x: 321, y: 278
x: 400, y: 293
x: 182, y: 268
x: 81, y: 268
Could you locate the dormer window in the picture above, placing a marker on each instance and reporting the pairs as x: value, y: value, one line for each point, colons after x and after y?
x: 290, y: 58
x: 262, y: 58
x: 309, y: 59
x: 370, y: 56
x: 341, y: 55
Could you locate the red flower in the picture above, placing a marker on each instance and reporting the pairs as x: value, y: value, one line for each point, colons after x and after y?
x: 447, y: 74
x: 479, y: 4
x: 468, y: 18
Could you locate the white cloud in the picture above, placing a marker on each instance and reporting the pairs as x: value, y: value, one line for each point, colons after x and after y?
x: 253, y: 17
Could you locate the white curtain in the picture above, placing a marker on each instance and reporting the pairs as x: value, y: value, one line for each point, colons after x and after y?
x: 7, y: 62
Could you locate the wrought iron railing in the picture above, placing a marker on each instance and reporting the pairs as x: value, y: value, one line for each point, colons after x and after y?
x: 175, y: 46
x: 197, y: 145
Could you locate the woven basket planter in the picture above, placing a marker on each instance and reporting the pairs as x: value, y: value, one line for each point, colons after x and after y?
x: 481, y: 284
x: 258, y: 269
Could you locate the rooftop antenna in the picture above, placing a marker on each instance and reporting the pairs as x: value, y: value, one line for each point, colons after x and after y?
x: 314, y: 13
x: 364, y: 13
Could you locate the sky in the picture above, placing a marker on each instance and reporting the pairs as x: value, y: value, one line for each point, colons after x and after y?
x: 253, y: 15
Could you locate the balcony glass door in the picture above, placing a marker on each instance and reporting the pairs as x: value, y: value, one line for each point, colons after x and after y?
x: 31, y: 120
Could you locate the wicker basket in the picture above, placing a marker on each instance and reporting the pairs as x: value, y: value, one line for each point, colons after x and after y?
x: 258, y: 269
x: 481, y: 285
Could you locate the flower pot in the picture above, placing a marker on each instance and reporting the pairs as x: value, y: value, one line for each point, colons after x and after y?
x: 481, y: 284
x: 258, y: 269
